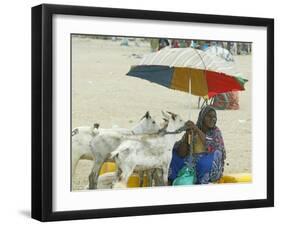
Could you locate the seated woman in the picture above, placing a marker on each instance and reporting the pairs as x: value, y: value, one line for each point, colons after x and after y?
x: 208, y: 162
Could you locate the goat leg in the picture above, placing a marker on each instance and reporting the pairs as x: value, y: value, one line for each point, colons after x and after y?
x: 158, y: 177
x: 93, y: 177
x: 149, y: 178
x: 141, y: 175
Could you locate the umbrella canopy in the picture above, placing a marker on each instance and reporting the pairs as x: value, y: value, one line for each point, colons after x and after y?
x: 182, y: 68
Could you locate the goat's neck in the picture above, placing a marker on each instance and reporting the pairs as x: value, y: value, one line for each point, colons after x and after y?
x: 137, y: 129
x: 171, y: 128
x: 171, y: 138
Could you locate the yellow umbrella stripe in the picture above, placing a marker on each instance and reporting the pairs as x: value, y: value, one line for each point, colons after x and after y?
x: 180, y: 81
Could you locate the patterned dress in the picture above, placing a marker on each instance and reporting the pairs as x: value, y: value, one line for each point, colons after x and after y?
x: 210, y: 165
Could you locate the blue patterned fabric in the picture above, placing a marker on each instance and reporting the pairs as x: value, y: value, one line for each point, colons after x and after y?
x: 208, y: 167
x: 177, y: 163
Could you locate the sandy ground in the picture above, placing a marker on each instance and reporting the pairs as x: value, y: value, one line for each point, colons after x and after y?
x: 101, y: 92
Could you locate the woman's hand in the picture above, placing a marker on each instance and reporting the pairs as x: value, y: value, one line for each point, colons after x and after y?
x: 191, y: 126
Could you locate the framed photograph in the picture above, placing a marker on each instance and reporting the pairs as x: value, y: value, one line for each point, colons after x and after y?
x: 146, y: 112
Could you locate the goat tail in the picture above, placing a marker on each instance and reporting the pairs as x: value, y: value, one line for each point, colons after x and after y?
x: 95, y: 129
x: 95, y: 132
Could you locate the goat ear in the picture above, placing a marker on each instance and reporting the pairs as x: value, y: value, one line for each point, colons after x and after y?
x: 166, y: 120
x: 172, y: 114
x: 96, y: 125
x: 166, y: 116
x: 74, y: 132
x: 147, y: 115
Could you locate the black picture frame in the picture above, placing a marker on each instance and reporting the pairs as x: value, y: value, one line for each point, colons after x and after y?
x: 42, y: 107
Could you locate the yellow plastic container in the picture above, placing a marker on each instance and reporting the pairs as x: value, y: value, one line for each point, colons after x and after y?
x: 107, y: 167
x: 134, y: 179
x: 236, y: 178
x: 198, y: 145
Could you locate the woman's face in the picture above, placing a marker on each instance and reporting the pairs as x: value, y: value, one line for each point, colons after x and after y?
x: 210, y: 120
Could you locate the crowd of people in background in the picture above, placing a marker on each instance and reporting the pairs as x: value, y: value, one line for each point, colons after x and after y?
x: 236, y: 48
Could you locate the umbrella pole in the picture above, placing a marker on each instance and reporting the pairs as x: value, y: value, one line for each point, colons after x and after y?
x: 189, y: 89
x: 189, y: 110
x: 190, y: 134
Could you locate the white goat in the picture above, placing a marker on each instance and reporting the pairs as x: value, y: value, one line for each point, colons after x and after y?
x: 81, y: 137
x: 81, y: 149
x: 106, y: 141
x: 147, y: 152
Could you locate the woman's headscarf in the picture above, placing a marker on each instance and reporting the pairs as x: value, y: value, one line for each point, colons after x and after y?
x: 202, y: 115
x: 214, y: 140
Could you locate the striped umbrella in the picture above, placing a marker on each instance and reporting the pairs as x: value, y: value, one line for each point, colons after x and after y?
x: 189, y: 70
